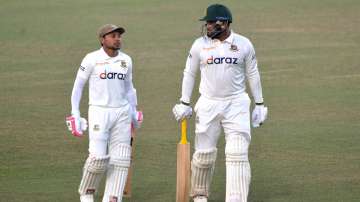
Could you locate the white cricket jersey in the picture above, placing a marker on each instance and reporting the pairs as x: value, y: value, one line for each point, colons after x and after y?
x: 110, y: 78
x: 225, y: 66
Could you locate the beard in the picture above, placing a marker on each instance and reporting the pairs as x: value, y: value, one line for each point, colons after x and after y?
x: 115, y: 47
x: 218, y: 29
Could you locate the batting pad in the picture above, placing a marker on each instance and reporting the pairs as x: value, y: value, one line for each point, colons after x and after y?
x: 87, y: 198
x: 93, y: 171
x: 200, y: 199
x: 202, y: 169
x: 117, y: 174
x: 238, y: 172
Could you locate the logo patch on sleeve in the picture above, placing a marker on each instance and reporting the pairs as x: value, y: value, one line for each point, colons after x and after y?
x: 82, y: 68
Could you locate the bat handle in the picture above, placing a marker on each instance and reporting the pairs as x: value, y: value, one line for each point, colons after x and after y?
x: 183, y: 132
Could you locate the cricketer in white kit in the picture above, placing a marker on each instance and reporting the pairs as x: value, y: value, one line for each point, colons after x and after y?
x: 112, y: 109
x: 226, y: 61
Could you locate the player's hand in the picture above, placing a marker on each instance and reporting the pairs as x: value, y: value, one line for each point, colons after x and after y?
x: 259, y: 115
x: 182, y: 111
x: 76, y: 125
x: 137, y: 118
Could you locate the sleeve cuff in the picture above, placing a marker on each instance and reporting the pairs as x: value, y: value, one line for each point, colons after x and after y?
x: 185, y: 103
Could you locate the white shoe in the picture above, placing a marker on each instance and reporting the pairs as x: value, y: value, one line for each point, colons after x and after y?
x: 200, y: 199
x: 87, y: 198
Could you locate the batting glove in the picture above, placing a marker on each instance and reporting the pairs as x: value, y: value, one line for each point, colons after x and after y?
x: 76, y: 124
x: 259, y: 115
x: 137, y: 118
x: 182, y: 111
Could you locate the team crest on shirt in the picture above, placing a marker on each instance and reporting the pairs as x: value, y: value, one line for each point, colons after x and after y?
x: 123, y: 63
x: 233, y: 48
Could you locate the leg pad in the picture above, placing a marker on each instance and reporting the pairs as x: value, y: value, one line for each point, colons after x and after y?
x: 202, y: 169
x: 93, y: 171
x: 117, y: 174
x: 237, y: 169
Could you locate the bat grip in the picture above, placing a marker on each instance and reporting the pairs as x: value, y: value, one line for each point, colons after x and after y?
x: 183, y: 132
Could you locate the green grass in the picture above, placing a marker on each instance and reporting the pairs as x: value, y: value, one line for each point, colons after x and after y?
x: 308, y: 55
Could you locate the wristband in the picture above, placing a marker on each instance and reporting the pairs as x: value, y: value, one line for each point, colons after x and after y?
x: 185, y: 103
x: 262, y: 103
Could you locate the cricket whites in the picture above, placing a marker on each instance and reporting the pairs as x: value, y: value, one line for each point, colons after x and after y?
x: 183, y: 166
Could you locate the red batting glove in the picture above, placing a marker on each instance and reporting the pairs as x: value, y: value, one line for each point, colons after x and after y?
x: 76, y: 125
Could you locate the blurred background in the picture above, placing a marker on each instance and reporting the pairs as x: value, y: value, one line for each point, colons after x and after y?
x: 308, y: 54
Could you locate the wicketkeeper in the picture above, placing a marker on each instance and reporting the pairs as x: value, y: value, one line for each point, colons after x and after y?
x: 226, y: 61
x: 112, y: 111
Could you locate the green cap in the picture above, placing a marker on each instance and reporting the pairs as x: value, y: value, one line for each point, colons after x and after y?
x: 217, y: 12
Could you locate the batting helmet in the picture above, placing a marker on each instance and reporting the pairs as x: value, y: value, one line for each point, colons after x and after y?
x: 217, y: 12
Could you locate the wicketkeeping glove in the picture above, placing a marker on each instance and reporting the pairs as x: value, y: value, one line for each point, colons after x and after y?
x: 182, y: 111
x: 76, y: 125
x: 259, y: 115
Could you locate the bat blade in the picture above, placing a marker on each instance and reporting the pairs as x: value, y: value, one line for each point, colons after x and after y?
x: 183, y: 166
x: 183, y: 172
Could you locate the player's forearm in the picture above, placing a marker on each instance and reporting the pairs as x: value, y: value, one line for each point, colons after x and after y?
x: 190, y: 71
x: 130, y: 91
x: 253, y: 76
x: 132, y: 97
x: 187, y: 86
x: 76, y: 95
x: 255, y: 87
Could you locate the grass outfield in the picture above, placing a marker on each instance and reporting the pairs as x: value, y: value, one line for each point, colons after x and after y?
x: 308, y: 53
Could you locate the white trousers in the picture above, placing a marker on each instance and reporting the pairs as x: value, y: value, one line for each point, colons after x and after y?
x: 108, y: 128
x: 234, y: 117
x: 212, y: 115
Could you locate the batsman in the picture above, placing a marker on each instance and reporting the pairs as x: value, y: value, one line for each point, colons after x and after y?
x: 112, y: 110
x: 226, y: 61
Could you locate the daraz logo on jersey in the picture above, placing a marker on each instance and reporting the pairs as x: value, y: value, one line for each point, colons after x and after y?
x: 112, y: 75
x: 221, y: 60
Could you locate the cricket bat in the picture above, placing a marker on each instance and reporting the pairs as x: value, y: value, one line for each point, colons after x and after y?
x: 127, y: 188
x: 183, y: 166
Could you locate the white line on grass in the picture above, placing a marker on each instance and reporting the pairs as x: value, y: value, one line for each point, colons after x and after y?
x: 342, y: 76
x: 277, y: 71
